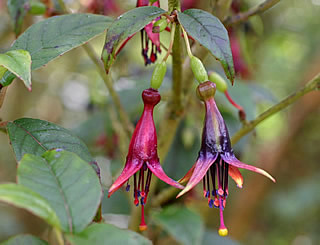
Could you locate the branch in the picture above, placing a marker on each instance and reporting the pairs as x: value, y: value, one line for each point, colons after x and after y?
x: 251, y: 12
x: 125, y: 122
x: 314, y: 84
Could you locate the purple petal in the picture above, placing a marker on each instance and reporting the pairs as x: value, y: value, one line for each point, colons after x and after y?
x: 200, y: 169
x: 130, y: 168
x: 156, y: 169
x: 232, y: 160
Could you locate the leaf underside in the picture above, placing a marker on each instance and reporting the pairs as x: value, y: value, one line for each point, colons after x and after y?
x: 34, y: 136
x: 125, y: 26
x: 51, y: 38
x: 67, y: 182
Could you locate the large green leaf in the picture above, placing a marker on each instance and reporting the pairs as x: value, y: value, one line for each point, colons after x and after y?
x: 123, y: 27
x: 19, y: 63
x: 183, y: 224
x: 52, y: 37
x: 211, y: 33
x: 24, y: 240
x: 69, y: 184
x: 34, y: 136
x: 23, y: 197
x: 106, y: 234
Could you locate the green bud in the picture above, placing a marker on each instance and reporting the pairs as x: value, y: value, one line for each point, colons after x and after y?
x: 159, y: 25
x: 37, y: 8
x: 158, y: 74
x: 221, y: 84
x: 152, y: 1
x: 199, y: 72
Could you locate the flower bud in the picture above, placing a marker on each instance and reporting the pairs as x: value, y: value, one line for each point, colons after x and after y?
x: 158, y: 74
x: 37, y: 8
x: 221, y: 84
x: 159, y: 25
x: 199, y: 72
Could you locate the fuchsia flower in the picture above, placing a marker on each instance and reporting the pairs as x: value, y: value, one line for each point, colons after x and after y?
x: 216, y: 159
x: 147, y: 37
x: 143, y: 156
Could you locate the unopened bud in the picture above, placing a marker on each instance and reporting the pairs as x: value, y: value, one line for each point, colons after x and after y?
x: 159, y: 25
x: 158, y: 74
x: 199, y: 72
x: 37, y: 8
x: 221, y: 84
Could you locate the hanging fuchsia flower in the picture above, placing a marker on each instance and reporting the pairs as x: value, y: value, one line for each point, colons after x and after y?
x: 216, y: 159
x: 147, y: 38
x: 143, y: 156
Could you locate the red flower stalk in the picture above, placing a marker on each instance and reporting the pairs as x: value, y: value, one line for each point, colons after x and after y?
x: 216, y: 159
x: 143, y: 156
x: 147, y: 36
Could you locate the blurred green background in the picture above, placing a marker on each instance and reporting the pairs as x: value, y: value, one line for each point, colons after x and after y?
x: 276, y: 53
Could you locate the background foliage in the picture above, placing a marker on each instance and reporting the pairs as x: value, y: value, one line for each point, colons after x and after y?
x: 279, y: 49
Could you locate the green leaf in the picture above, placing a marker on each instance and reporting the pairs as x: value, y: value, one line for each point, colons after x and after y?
x: 50, y: 38
x: 19, y: 63
x: 24, y: 240
x: 67, y: 182
x: 17, y: 10
x: 183, y: 224
x: 34, y: 136
x: 106, y: 234
x: 123, y: 27
x: 22, y: 197
x: 211, y: 33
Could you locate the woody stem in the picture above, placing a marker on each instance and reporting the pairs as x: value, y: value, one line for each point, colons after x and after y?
x: 314, y: 84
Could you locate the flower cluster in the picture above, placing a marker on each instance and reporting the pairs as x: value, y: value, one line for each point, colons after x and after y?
x: 216, y: 160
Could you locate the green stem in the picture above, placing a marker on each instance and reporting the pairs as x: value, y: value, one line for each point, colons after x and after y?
x: 186, y: 40
x: 173, y: 29
x: 310, y: 86
x: 174, y: 5
x: 241, y: 17
x: 124, y: 118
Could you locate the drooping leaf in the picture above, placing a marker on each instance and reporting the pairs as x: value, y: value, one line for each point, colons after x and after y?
x: 19, y: 63
x: 211, y: 33
x: 182, y: 223
x: 123, y: 27
x: 34, y: 136
x: 17, y: 10
x: 67, y: 182
x: 24, y: 240
x: 106, y: 234
x: 23, y: 197
x: 50, y: 38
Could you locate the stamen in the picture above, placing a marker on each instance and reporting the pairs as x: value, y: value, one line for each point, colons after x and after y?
x: 213, y: 179
x: 219, y: 170
x: 142, y: 181
x: 226, y: 177
x: 223, y: 231
x: 148, y: 181
x: 204, y: 186
x: 128, y: 186
x: 142, y: 226
x: 135, y: 192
